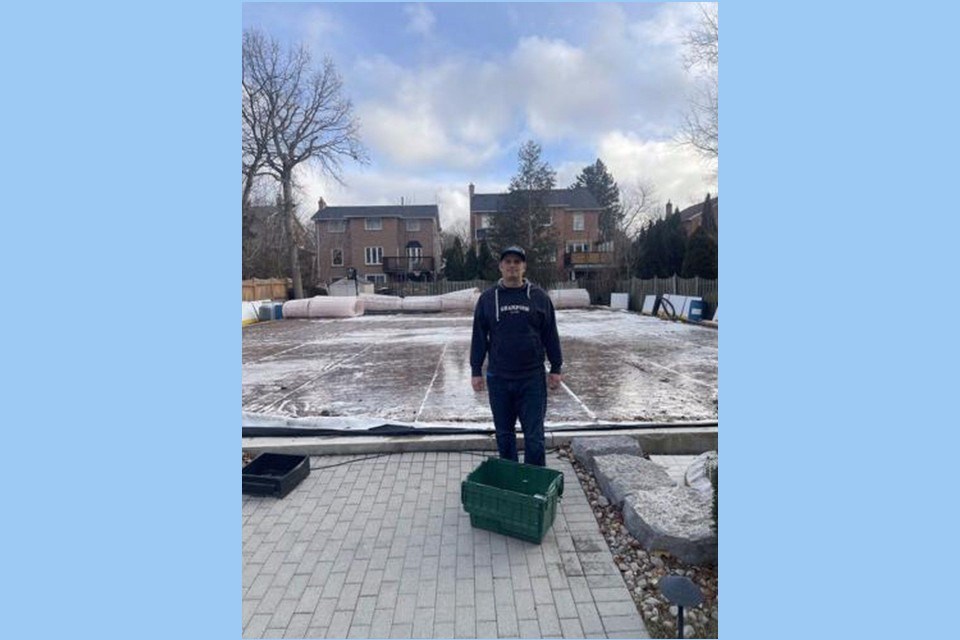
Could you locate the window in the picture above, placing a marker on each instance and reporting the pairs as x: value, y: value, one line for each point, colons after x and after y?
x: 578, y: 247
x: 485, y: 222
x: 373, y: 255
x: 336, y: 257
x: 578, y: 222
x: 414, y: 256
x: 377, y: 278
x: 413, y: 225
x: 373, y: 224
x: 549, y: 222
x: 337, y: 226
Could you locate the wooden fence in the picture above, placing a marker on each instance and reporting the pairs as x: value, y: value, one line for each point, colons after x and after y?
x: 706, y: 289
x: 271, y: 289
x: 448, y: 286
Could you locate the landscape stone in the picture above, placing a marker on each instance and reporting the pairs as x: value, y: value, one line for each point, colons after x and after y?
x: 676, y: 520
x: 697, y: 475
x: 586, y: 449
x: 620, y: 475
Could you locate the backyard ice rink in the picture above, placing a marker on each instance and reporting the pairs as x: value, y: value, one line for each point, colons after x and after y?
x: 618, y: 367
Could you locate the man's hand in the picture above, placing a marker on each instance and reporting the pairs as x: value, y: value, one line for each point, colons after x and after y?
x: 477, y: 383
x: 554, y: 380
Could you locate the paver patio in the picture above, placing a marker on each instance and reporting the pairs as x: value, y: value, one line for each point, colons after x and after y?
x: 381, y: 548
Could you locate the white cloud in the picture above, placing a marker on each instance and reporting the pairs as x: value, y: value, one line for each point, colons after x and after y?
x: 463, y: 112
x: 421, y: 19
x: 673, y: 169
x: 317, y: 24
x: 621, y: 92
x: 433, y: 117
x: 381, y: 188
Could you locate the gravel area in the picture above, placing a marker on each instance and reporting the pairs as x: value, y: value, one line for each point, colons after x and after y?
x: 642, y: 570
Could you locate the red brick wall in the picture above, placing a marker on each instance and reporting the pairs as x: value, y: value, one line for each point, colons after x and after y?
x: 393, y: 237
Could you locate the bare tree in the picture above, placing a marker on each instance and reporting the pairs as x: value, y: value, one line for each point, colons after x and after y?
x: 640, y: 205
x: 702, y: 56
x: 459, y: 229
x: 309, y: 121
x: 703, y: 43
x: 255, y: 111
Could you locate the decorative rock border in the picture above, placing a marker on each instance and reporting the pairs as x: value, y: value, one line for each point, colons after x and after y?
x: 642, y: 570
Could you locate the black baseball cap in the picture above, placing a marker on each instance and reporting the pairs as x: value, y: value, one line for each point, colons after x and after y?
x: 515, y: 250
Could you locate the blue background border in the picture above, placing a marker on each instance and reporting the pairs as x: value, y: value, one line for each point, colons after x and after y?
x: 122, y: 346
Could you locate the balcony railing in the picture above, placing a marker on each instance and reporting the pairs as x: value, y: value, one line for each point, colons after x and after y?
x: 588, y: 259
x: 404, y: 264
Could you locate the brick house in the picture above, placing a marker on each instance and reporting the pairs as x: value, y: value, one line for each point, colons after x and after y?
x: 385, y: 244
x: 692, y: 216
x: 575, y: 218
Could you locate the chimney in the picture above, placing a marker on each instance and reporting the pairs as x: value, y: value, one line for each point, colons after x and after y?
x: 473, y: 225
x: 669, y: 207
x: 321, y: 204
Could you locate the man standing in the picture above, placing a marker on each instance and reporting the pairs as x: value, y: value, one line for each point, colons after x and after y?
x: 515, y: 323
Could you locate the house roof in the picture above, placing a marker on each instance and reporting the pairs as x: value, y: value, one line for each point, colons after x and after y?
x: 693, y: 211
x: 577, y: 198
x: 379, y: 211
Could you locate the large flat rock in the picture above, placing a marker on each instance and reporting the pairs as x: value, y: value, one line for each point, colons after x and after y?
x: 676, y: 520
x: 697, y: 475
x: 620, y: 475
x: 586, y: 449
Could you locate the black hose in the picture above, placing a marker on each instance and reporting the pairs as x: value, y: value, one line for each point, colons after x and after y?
x: 406, y: 430
x: 673, y: 310
x: 380, y: 455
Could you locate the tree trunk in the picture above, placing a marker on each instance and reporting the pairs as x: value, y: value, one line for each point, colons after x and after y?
x: 287, y: 181
x: 247, y: 188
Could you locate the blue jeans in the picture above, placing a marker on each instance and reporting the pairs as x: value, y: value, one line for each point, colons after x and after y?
x: 525, y: 398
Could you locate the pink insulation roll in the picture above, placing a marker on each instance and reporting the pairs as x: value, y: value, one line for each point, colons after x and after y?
x: 376, y: 302
x: 323, y: 307
x: 335, y: 307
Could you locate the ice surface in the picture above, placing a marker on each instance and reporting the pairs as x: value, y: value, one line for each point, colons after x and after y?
x: 416, y: 368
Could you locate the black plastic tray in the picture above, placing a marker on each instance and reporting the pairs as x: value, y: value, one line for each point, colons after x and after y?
x: 274, y: 474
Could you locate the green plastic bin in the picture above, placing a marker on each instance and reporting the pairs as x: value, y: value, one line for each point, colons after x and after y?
x: 518, y: 500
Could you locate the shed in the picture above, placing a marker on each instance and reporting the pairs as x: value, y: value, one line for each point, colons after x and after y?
x: 349, y: 287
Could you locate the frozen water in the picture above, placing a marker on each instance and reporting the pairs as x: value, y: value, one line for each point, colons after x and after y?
x: 416, y: 368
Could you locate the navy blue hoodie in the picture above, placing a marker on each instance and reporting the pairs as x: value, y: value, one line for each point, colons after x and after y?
x: 517, y: 327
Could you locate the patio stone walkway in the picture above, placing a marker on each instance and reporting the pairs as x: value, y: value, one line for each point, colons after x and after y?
x: 381, y: 548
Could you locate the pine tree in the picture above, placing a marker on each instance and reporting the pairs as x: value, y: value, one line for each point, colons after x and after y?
x: 525, y: 217
x: 707, y: 220
x: 660, y: 248
x: 454, y: 266
x: 674, y: 246
x: 701, y: 256
x: 487, y: 264
x: 471, y: 268
x: 599, y: 182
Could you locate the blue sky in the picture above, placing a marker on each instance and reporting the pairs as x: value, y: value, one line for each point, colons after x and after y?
x: 446, y: 93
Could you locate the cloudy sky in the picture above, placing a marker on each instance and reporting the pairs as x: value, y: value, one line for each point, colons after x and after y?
x: 447, y: 92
